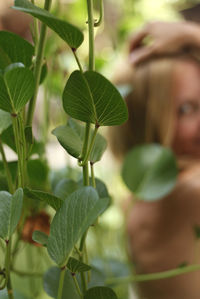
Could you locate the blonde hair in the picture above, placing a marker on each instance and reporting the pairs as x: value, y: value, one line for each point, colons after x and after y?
x: 150, y: 105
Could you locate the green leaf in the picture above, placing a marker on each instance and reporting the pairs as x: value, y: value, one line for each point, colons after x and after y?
x: 48, y: 198
x: 78, y: 212
x: 64, y: 188
x: 16, y: 88
x: 90, y: 97
x: 68, y: 138
x: 100, y: 293
x: 40, y: 237
x: 14, y: 48
x: 51, y: 283
x: 10, y: 212
x: 37, y: 173
x: 76, y: 266
x: 150, y: 171
x: 5, y: 120
x: 100, y: 187
x: 8, y: 138
x: 71, y: 137
x: 69, y: 33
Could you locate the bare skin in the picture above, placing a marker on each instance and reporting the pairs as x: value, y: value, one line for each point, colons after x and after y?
x: 165, y: 38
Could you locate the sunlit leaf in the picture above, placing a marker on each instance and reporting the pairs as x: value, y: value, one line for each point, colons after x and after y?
x: 150, y: 171
x: 69, y: 33
x: 90, y: 97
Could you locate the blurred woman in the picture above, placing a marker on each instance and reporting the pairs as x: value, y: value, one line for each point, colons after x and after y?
x: 164, y: 107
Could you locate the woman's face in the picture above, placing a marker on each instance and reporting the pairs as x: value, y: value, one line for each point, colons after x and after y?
x: 186, y: 92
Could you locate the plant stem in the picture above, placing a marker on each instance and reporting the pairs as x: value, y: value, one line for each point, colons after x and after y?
x: 7, y: 170
x: 91, y: 35
x: 77, y: 286
x: 77, y: 60
x: 18, y: 148
x: 101, y: 15
x: 91, y: 146
x: 7, y: 267
x: 153, y: 276
x: 38, y: 66
x: 61, y: 282
x: 92, y: 174
x: 86, y: 175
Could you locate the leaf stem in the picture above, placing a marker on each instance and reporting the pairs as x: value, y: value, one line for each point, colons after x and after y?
x: 18, y: 148
x: 77, y: 286
x: 61, y: 282
x: 38, y: 66
x: 90, y: 146
x: 77, y: 60
x: 101, y: 15
x: 91, y: 35
x: 154, y: 276
x: 7, y: 267
x: 7, y: 170
x: 92, y: 174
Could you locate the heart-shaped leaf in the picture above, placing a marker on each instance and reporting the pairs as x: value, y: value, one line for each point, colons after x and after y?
x: 48, y: 198
x: 150, y: 171
x: 14, y: 48
x: 65, y: 187
x: 40, y: 237
x: 51, y: 283
x: 71, y: 138
x: 90, y: 97
x: 100, y: 293
x: 5, y: 120
x: 78, y: 212
x: 69, y: 33
x: 10, y: 212
x: 76, y: 266
x: 16, y: 88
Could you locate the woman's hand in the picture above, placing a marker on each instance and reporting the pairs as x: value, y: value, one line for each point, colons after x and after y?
x: 165, y: 38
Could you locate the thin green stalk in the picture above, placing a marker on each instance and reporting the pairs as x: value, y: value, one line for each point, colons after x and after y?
x: 77, y: 286
x: 18, y: 148
x: 7, y: 267
x: 91, y: 35
x: 77, y: 60
x: 153, y: 276
x: 38, y: 66
x: 7, y: 170
x: 92, y: 174
x: 101, y: 15
x: 61, y: 282
x: 23, y: 148
x: 90, y: 146
x: 86, y: 175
